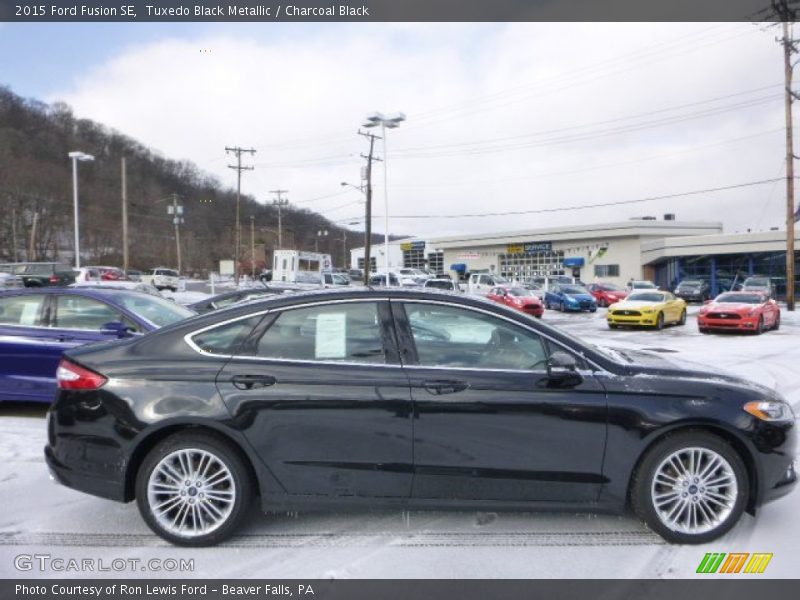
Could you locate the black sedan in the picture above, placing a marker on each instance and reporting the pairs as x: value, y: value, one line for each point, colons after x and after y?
x: 388, y: 397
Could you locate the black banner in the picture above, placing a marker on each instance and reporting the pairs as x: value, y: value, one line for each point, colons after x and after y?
x: 366, y: 589
x: 391, y: 10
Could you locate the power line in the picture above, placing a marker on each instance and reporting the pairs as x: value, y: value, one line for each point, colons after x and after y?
x: 239, y: 168
x: 585, y: 206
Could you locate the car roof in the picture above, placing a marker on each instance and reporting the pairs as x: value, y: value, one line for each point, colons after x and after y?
x: 94, y: 292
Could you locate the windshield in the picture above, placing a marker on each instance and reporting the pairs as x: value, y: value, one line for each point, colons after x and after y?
x: 756, y: 282
x: 644, y: 285
x: 610, y: 287
x: 499, y: 279
x: 573, y: 289
x: 646, y: 297
x: 743, y: 298
x: 158, y: 311
x: 520, y: 292
x: 692, y: 283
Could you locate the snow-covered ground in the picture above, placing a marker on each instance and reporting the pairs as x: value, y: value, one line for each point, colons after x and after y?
x: 39, y: 517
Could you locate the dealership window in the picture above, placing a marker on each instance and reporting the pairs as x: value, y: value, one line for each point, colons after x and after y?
x: 373, y: 264
x: 448, y: 336
x: 331, y: 332
x: 414, y: 258
x: 606, y: 270
x: 436, y: 262
x: 525, y: 266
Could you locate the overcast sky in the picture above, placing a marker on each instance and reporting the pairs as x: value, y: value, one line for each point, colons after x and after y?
x: 500, y: 117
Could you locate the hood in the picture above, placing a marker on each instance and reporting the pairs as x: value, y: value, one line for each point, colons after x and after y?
x: 731, y: 306
x: 579, y: 296
x: 634, y: 304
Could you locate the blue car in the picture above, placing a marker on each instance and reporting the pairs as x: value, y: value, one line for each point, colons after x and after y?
x: 37, y: 325
x: 566, y: 296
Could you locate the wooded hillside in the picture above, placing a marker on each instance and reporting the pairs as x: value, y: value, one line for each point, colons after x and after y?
x: 36, y: 183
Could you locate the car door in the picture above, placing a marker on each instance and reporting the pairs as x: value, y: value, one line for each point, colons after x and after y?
x: 674, y: 307
x: 326, y: 403
x: 29, y: 351
x: 488, y: 423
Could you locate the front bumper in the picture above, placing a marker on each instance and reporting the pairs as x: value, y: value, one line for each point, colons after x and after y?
x: 741, y: 324
x: 648, y: 320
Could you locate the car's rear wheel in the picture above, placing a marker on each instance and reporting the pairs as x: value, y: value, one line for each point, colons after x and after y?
x: 690, y: 488
x: 193, y: 489
x: 777, y: 324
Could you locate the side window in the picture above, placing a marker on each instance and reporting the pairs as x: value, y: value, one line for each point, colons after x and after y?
x: 22, y: 310
x: 483, y: 279
x: 448, y: 336
x: 332, y: 332
x: 226, y: 339
x: 79, y: 312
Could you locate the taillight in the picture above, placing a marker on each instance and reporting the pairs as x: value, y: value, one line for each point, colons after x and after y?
x: 54, y: 279
x: 74, y: 377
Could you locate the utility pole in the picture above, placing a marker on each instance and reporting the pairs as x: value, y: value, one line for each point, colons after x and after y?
x: 125, y: 264
x: 252, y: 247
x: 14, y: 233
x: 32, y: 245
x: 368, y: 209
x: 177, y: 218
x: 239, y: 168
x: 788, y: 49
x: 280, y: 202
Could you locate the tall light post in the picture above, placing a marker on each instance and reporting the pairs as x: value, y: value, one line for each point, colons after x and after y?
x: 76, y: 156
x: 320, y: 234
x: 386, y: 122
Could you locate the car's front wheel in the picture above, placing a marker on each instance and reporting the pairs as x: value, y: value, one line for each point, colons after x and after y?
x: 682, y: 320
x: 193, y: 489
x: 690, y: 488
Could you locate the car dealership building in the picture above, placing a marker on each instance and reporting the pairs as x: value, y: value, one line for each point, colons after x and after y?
x: 662, y: 250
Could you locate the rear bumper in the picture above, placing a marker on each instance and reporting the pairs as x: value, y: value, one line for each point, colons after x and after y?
x: 111, y: 488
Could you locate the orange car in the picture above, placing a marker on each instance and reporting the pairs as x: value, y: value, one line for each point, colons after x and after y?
x: 519, y: 298
x: 742, y: 311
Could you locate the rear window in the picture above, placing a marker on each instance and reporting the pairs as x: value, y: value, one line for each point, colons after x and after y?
x: 226, y: 339
x: 166, y: 272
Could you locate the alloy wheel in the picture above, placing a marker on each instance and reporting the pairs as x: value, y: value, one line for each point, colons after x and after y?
x: 191, y: 492
x: 694, y: 490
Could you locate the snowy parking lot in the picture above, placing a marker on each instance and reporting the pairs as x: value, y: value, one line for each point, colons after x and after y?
x: 39, y: 517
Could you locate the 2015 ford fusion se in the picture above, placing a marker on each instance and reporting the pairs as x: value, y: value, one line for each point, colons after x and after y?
x: 408, y: 398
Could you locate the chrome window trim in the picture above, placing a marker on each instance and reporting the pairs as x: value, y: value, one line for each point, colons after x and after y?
x: 188, y: 337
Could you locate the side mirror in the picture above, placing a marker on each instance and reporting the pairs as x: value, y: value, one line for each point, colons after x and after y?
x: 116, y: 328
x: 562, y: 370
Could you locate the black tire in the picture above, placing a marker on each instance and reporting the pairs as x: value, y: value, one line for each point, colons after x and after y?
x: 602, y: 303
x: 642, y: 483
x: 703, y: 330
x: 760, y: 326
x: 777, y: 324
x: 660, y: 321
x: 682, y: 320
x: 226, y: 454
x: 173, y: 290
x: 612, y: 325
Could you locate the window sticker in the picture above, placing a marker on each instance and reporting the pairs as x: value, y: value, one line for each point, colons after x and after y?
x: 330, y: 336
x: 30, y: 311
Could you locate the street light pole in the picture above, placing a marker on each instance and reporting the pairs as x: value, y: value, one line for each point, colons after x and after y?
x: 390, y: 122
x: 76, y: 156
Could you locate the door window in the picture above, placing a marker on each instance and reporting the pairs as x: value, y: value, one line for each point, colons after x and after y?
x: 21, y: 310
x: 227, y: 338
x: 332, y: 332
x: 80, y: 312
x: 448, y: 336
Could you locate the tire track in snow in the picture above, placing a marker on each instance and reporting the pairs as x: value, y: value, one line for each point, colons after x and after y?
x: 339, y: 539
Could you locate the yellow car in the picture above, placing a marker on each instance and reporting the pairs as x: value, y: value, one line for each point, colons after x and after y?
x: 649, y: 308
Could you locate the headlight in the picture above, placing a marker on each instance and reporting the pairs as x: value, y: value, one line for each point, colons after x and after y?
x: 571, y: 300
x: 770, y: 410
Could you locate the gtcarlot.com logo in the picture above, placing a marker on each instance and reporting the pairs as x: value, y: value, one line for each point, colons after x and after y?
x: 735, y: 562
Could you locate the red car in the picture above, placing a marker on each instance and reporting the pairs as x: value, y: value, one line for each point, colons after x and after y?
x: 742, y: 311
x: 519, y: 298
x: 607, y: 294
x: 110, y: 273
